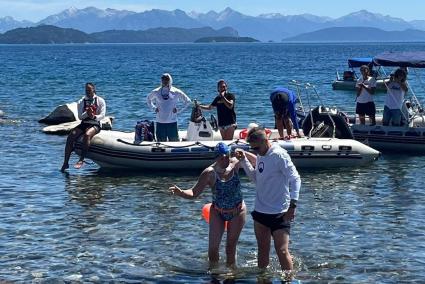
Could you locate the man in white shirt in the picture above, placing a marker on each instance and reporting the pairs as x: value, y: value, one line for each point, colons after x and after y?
x: 163, y: 100
x: 277, y: 190
x: 91, y: 110
x: 365, y: 87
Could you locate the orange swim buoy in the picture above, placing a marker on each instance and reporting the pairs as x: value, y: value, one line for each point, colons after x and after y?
x: 206, y: 214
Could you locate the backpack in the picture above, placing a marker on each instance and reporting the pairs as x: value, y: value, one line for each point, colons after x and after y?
x: 144, y: 131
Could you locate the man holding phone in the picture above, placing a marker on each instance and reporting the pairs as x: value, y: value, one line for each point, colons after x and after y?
x: 365, y: 105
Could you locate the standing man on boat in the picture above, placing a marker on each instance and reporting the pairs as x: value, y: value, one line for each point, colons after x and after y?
x: 283, y: 103
x: 365, y: 105
x: 225, y: 104
x: 91, y: 110
x: 163, y: 100
x: 277, y: 184
x: 396, y: 90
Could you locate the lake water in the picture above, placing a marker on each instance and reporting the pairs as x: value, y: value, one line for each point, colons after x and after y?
x: 359, y: 225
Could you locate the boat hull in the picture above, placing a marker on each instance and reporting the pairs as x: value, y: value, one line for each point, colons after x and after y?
x: 391, y: 139
x: 114, y: 149
x: 349, y: 85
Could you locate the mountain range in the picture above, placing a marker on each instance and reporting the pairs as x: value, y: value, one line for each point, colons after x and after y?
x: 48, y: 34
x: 265, y: 27
x: 359, y: 34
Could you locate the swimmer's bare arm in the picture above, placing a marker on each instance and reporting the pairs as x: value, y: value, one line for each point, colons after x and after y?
x: 204, y: 180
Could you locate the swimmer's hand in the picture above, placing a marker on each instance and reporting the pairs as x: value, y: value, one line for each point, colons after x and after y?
x: 175, y: 190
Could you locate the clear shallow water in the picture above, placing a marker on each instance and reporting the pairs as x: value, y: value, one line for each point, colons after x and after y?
x: 353, y: 225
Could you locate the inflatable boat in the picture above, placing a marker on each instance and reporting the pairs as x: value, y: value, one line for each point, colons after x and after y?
x: 349, y: 79
x: 196, y: 150
x: 410, y: 137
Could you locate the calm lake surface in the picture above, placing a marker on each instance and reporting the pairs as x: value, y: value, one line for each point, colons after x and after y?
x: 353, y: 225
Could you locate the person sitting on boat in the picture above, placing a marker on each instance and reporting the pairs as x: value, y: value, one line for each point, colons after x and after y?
x: 91, y: 110
x: 225, y: 104
x: 227, y: 203
x: 283, y: 103
x: 163, y: 100
x: 396, y: 90
x: 365, y: 104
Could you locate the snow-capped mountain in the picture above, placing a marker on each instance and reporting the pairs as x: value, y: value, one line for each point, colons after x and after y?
x: 265, y: 27
x: 364, y: 18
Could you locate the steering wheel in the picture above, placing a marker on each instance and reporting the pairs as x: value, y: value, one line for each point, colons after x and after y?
x: 213, y: 122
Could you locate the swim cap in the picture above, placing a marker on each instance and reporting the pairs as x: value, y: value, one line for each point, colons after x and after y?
x: 222, y: 149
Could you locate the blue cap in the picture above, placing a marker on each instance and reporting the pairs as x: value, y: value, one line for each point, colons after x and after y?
x: 222, y: 149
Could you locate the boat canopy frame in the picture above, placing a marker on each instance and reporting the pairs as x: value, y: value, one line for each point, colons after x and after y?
x: 405, y: 59
x: 357, y: 62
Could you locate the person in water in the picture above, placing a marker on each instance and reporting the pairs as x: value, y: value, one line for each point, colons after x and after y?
x: 227, y: 203
x: 225, y: 104
x: 277, y: 185
x: 283, y: 102
x: 91, y: 110
x: 163, y: 100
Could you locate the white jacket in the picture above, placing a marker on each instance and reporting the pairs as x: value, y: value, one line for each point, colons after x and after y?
x: 165, y: 99
x: 100, y: 110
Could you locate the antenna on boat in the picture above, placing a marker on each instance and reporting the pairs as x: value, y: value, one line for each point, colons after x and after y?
x: 298, y: 86
x: 419, y: 108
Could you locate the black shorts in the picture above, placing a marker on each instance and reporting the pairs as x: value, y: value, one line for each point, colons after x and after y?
x: 366, y: 108
x: 280, y: 105
x: 272, y: 221
x: 84, y: 126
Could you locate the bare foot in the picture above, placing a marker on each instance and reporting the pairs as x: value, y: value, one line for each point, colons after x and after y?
x: 79, y: 165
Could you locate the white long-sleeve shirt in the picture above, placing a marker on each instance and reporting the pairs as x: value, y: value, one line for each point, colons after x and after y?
x: 100, y: 107
x: 165, y: 100
x: 276, y: 178
x: 395, y: 96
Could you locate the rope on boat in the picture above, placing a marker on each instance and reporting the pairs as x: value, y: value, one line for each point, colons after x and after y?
x: 197, y: 143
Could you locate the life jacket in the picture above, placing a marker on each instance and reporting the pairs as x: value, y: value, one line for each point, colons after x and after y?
x: 90, y: 103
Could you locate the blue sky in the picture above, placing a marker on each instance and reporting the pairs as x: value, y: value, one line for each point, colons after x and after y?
x: 35, y: 10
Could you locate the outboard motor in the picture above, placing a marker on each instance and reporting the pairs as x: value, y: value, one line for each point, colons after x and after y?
x: 199, y: 128
x: 320, y: 119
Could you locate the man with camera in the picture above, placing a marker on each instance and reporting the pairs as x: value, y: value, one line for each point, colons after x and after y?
x: 91, y: 110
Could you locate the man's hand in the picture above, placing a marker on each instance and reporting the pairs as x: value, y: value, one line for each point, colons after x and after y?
x: 239, y: 154
x: 90, y: 112
x: 289, y: 215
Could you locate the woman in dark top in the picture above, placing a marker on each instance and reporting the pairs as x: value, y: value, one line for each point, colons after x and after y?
x: 225, y: 104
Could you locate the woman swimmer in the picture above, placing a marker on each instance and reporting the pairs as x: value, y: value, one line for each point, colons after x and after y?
x: 227, y: 203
